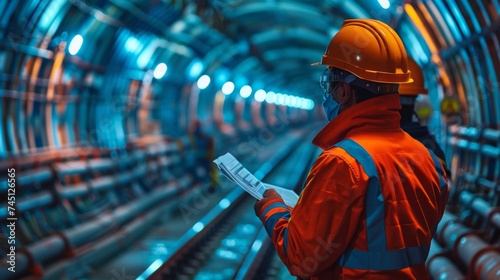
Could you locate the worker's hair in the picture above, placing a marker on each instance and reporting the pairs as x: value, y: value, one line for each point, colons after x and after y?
x: 362, y: 94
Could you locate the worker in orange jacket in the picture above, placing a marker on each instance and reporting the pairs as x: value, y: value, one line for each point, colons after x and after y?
x: 375, y: 195
x: 408, y: 94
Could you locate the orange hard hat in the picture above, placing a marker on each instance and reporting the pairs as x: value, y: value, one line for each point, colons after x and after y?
x: 369, y: 49
x: 417, y: 87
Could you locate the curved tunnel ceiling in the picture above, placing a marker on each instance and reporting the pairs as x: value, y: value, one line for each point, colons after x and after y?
x: 284, y: 36
x: 267, y: 44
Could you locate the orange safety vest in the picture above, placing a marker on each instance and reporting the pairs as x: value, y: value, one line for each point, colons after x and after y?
x: 371, y: 203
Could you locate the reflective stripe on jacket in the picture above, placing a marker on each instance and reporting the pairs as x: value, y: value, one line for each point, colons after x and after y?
x: 371, y: 203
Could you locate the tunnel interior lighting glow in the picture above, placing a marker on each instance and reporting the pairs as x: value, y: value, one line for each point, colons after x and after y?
x: 152, y: 268
x: 221, y: 75
x: 305, y: 104
x: 146, y: 54
x: 75, y: 44
x: 132, y: 44
x: 385, y: 4
x: 198, y: 226
x: 299, y: 102
x: 160, y: 70
x: 159, y: 248
x: 288, y: 100
x: 226, y: 254
x: 228, y: 88
x: 281, y: 99
x: 256, y: 245
x: 260, y: 95
x: 178, y: 27
x: 224, y: 203
x: 203, y: 82
x: 293, y: 101
x: 271, y: 97
x: 195, y: 69
x: 309, y: 104
x: 245, y: 91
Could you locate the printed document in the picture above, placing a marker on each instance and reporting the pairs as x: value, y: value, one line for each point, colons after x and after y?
x: 237, y: 173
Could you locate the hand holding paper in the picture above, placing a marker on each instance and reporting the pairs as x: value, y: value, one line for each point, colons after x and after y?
x: 289, y: 197
x: 235, y: 172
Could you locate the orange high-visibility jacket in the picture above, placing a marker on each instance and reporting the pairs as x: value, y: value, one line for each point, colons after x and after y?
x: 371, y: 203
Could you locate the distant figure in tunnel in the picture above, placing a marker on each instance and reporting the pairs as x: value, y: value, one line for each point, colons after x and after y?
x: 408, y: 94
x: 203, y: 145
x: 374, y: 196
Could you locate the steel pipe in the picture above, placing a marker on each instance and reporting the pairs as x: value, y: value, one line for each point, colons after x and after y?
x: 56, y: 245
x: 487, y: 265
x: 440, y: 267
x: 447, y: 219
x: 482, y: 207
x: 482, y: 260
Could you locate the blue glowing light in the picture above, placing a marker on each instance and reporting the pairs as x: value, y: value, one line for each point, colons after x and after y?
x: 75, y: 44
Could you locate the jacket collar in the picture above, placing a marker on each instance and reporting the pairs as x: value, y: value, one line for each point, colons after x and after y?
x: 376, y: 114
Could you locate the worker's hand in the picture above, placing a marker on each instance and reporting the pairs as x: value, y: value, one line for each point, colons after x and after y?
x: 269, y: 194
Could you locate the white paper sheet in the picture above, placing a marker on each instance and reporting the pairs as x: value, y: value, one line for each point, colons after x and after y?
x: 237, y: 173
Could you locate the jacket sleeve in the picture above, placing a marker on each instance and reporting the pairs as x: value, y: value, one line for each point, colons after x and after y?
x: 314, y: 234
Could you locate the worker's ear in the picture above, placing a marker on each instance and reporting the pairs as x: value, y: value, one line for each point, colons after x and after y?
x: 346, y: 95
